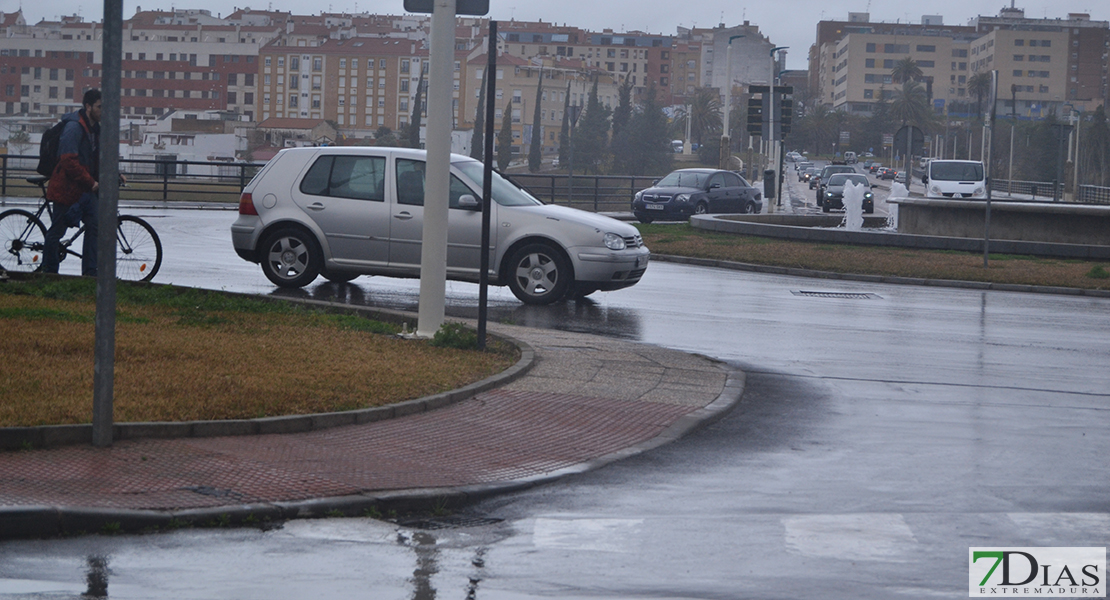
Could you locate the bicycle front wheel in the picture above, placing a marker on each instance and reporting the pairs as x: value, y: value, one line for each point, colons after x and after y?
x: 22, y: 237
x: 138, y: 250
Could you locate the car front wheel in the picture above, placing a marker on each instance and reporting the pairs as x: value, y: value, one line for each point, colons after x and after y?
x: 701, y: 208
x: 748, y: 208
x: 539, y: 274
x: 291, y: 258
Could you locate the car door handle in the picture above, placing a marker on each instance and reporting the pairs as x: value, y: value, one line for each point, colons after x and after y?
x: 316, y: 206
x: 404, y: 216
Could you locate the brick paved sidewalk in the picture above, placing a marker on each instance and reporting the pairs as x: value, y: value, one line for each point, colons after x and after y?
x: 587, y: 400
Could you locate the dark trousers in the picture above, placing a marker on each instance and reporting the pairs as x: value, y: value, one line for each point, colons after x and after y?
x: 62, y: 218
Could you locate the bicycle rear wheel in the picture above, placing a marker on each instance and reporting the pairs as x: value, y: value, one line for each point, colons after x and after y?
x: 138, y: 250
x: 22, y: 237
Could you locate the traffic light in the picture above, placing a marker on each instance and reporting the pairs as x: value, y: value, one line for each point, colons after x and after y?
x: 755, y: 116
x: 786, y: 109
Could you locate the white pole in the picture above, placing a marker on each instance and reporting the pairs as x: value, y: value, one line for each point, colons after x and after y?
x: 1010, y: 174
x: 437, y: 177
x: 1075, y: 167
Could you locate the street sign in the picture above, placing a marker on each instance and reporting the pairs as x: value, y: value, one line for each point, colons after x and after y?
x: 917, y: 142
x: 475, y: 8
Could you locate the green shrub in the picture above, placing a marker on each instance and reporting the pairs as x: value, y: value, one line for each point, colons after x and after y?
x: 456, y: 335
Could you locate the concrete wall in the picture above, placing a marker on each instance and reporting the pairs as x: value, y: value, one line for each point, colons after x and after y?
x: 1019, y: 221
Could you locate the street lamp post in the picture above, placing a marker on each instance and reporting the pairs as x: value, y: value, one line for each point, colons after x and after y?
x: 726, y: 138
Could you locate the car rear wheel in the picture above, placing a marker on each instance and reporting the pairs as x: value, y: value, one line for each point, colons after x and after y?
x: 291, y: 258
x: 539, y: 274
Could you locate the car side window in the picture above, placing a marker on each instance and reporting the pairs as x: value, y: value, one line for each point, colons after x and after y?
x: 410, y: 185
x: 732, y: 180
x: 357, y: 177
x: 715, y: 181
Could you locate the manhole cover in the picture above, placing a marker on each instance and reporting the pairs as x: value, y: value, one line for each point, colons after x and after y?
x: 448, y: 522
x: 848, y: 295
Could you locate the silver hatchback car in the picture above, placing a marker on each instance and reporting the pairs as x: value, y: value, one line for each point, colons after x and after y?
x: 342, y: 212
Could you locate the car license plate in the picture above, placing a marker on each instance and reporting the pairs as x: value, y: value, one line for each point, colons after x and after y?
x: 653, y: 206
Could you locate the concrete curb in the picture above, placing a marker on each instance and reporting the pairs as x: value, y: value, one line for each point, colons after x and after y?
x: 47, y: 521
x: 49, y: 436
x: 795, y: 272
x: 751, y: 225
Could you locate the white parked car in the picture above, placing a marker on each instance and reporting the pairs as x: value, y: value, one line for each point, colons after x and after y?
x: 342, y: 212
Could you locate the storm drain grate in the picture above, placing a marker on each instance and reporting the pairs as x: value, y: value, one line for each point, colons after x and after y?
x: 847, y: 295
x: 448, y: 522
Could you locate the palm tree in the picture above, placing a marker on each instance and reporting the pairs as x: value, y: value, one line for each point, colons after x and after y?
x: 906, y: 70
x: 911, y: 106
x: 705, y: 114
x: 979, y: 85
x: 819, y: 124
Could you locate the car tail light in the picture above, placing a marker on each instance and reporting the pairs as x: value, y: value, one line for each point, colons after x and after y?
x: 246, y: 205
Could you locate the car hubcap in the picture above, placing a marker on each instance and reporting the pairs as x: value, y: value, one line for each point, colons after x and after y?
x: 537, y: 274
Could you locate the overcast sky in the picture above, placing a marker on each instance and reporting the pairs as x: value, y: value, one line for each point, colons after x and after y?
x: 791, y: 23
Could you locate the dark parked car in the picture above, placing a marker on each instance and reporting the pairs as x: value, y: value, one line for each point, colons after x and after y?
x: 827, y: 172
x: 688, y: 192
x: 834, y: 191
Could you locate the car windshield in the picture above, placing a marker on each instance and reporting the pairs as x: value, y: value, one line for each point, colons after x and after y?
x: 843, y: 178
x: 956, y: 171
x: 504, y: 192
x: 691, y: 179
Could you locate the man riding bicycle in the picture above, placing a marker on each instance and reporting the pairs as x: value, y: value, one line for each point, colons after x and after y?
x: 75, y: 183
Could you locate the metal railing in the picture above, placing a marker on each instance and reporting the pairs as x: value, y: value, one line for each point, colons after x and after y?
x: 163, y: 180
x: 201, y: 181
x: 1094, y: 194
x: 1036, y: 190
x: 597, y: 193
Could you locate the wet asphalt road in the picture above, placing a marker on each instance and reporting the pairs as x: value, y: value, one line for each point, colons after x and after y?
x: 881, y: 434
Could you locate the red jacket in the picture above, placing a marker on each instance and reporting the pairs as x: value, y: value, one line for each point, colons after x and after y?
x: 72, y: 177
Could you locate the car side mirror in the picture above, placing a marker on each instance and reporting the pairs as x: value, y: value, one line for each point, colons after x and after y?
x: 468, y: 202
x: 654, y: 181
x: 715, y: 186
x: 924, y: 179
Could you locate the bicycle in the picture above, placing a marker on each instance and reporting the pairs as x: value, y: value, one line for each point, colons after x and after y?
x: 23, y: 235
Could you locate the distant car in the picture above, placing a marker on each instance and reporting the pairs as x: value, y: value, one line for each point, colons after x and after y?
x: 346, y: 211
x: 875, y: 167
x: 887, y: 173
x: 826, y: 172
x: 688, y: 192
x: 834, y: 191
x: 900, y: 177
x: 809, y: 173
x: 802, y: 166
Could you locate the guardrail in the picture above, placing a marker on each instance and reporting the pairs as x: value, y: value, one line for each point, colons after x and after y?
x: 1094, y: 194
x: 1036, y: 189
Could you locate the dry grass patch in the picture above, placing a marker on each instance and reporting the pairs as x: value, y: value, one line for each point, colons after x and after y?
x: 186, y: 357
x: 683, y: 240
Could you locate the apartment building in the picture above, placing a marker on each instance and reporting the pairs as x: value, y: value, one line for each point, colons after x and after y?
x: 856, y: 69
x: 171, y: 61
x: 516, y: 84
x: 1032, y: 69
x: 1044, y: 65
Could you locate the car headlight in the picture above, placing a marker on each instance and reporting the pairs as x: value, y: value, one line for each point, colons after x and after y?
x: 868, y: 195
x: 682, y: 198
x: 614, y: 241
x: 636, y: 198
x: 980, y: 191
x: 935, y: 190
x: 829, y: 194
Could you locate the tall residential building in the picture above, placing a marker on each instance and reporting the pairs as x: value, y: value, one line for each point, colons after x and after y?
x: 1044, y: 65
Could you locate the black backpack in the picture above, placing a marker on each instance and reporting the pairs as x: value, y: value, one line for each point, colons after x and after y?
x: 48, y: 149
